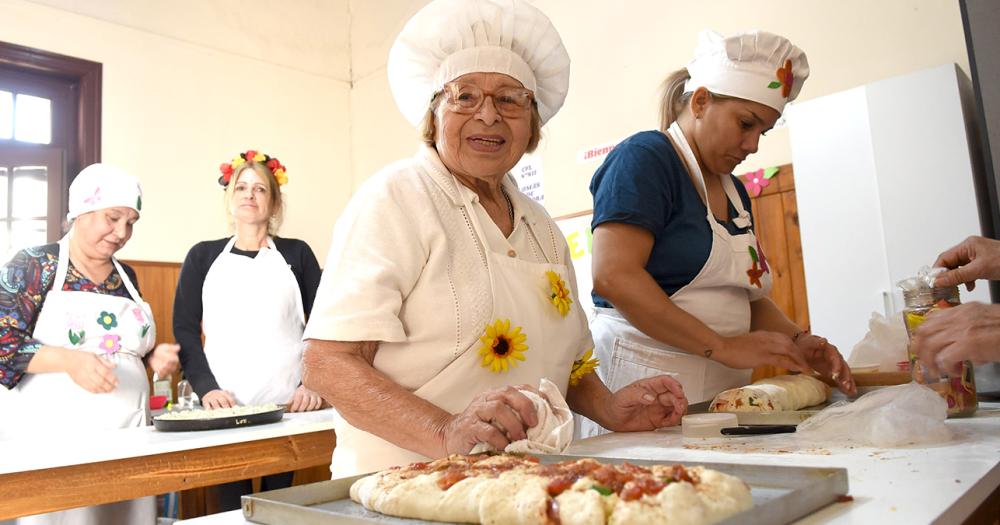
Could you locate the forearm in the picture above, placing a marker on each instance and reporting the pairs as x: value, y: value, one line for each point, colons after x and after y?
x: 200, y: 376
x: 194, y: 363
x: 51, y: 359
x: 765, y: 315
x: 639, y: 298
x: 590, y: 398
x: 369, y: 400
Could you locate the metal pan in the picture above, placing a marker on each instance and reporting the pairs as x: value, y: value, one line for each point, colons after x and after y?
x: 217, y: 423
x: 780, y: 495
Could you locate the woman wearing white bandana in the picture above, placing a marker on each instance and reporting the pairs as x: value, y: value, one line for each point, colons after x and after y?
x: 680, y: 285
x: 447, y: 292
x: 76, y: 335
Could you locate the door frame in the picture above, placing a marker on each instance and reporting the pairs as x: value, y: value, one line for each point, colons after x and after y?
x: 52, y: 159
x: 87, y: 77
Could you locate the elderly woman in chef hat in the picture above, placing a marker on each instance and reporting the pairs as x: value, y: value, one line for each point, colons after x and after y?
x: 75, y: 335
x: 446, y: 286
x: 680, y: 280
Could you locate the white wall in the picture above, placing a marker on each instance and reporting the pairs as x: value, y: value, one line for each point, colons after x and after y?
x: 174, y: 108
x: 621, y: 51
x: 183, y: 93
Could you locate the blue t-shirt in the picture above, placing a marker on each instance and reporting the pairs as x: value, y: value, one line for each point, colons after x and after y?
x: 643, y: 182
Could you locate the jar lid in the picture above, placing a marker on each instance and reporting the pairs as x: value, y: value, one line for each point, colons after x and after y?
x: 707, y: 425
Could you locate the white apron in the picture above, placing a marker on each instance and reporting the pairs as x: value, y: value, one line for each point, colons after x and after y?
x: 121, y: 330
x: 718, y: 296
x: 253, y: 320
x: 520, y: 294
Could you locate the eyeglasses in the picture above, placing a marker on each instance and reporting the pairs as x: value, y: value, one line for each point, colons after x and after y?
x: 508, y: 101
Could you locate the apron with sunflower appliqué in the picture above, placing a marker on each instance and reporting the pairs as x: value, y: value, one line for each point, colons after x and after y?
x: 534, y: 332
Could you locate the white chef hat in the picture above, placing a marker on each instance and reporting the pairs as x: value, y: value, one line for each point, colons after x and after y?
x: 450, y: 38
x: 757, y: 65
x: 101, y: 186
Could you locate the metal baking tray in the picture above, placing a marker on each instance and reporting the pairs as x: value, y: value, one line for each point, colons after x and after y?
x: 217, y: 423
x: 780, y: 495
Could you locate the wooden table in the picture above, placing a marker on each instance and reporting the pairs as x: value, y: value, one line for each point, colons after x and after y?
x: 60, y: 472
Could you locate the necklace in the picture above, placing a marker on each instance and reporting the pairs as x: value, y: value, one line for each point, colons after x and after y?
x: 510, y: 206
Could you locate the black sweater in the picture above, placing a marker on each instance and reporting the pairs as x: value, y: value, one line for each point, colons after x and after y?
x: 188, y: 307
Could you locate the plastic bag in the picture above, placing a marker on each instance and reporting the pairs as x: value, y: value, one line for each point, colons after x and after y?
x: 884, y: 344
x: 897, y: 416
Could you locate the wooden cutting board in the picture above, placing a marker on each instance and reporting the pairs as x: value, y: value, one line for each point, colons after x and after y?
x: 881, y: 378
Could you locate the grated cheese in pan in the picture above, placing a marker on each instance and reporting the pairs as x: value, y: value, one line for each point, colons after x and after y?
x: 217, y: 413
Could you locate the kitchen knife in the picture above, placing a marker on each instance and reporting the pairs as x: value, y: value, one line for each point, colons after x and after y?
x: 755, y: 430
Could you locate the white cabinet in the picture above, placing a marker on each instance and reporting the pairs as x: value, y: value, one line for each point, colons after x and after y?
x: 884, y: 183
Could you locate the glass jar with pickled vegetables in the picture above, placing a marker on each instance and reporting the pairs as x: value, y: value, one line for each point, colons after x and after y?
x: 922, y: 299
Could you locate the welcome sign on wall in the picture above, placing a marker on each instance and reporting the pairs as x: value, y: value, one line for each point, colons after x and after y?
x: 576, y: 228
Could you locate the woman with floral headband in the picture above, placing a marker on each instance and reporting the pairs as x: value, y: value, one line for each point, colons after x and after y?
x: 76, y: 337
x: 680, y: 281
x: 250, y: 294
x: 448, y: 295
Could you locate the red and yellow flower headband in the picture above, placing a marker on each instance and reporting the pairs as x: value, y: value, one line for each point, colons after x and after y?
x: 272, y: 163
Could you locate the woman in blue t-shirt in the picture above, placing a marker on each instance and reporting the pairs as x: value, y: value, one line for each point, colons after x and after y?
x: 681, y: 287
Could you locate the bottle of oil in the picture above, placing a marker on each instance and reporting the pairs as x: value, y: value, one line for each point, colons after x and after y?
x: 922, y: 299
x: 162, y: 387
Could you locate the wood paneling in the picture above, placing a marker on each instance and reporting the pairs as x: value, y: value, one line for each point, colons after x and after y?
x: 796, y: 269
x: 777, y: 226
x: 770, y: 219
x: 157, y: 283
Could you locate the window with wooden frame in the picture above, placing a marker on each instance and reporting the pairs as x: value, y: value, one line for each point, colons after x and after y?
x: 49, y: 130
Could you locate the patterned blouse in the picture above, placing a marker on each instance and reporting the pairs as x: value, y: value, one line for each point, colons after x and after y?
x: 24, y: 282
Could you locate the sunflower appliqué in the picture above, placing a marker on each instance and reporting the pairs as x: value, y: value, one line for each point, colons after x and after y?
x: 502, y: 346
x: 583, y: 366
x: 559, y: 293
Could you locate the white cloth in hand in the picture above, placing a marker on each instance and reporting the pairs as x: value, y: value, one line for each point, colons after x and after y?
x: 554, y: 431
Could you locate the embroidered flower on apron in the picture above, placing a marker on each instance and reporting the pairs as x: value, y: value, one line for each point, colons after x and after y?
x: 111, y: 343
x: 140, y: 317
x: 75, y: 332
x: 76, y: 337
x: 583, y: 366
x: 559, y: 296
x: 755, y: 272
x: 107, y: 320
x: 502, y: 346
x: 763, y: 260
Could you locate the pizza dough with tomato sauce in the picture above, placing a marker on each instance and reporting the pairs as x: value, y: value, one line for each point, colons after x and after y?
x: 502, y: 489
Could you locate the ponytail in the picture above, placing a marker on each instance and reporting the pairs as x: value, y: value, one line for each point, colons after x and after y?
x: 673, y: 98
